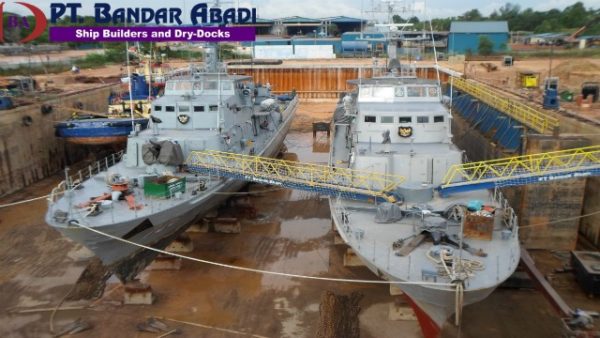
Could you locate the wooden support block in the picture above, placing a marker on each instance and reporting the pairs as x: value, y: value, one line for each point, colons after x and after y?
x: 163, y: 262
x: 138, y: 293
x: 401, y: 312
x: 395, y: 290
x: 183, y: 243
x: 351, y: 259
x: 197, y: 228
x: 227, y: 225
x: 337, y: 239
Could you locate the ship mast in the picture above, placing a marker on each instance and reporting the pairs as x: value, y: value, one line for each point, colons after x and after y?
x: 129, y: 85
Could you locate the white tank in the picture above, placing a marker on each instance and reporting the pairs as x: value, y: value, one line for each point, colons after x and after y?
x: 267, y: 104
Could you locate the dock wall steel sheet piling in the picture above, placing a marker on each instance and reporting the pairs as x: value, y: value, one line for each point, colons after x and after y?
x: 29, y: 153
x: 316, y: 82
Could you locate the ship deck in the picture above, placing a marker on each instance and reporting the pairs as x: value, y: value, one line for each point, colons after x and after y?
x: 373, y: 241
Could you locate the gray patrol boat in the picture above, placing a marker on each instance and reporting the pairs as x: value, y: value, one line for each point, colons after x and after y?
x: 451, y: 251
x: 146, y: 195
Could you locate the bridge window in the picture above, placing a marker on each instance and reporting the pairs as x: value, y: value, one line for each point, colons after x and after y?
x: 157, y: 108
x: 422, y: 119
x: 170, y: 109
x: 198, y: 109
x: 184, y: 109
x: 405, y: 119
x: 383, y: 92
x: 369, y: 118
x: 414, y: 91
x: 399, y: 91
x: 197, y: 85
x: 387, y: 119
x: 226, y: 85
x: 432, y: 91
x: 213, y: 108
x: 210, y: 85
x: 183, y: 85
x: 438, y: 119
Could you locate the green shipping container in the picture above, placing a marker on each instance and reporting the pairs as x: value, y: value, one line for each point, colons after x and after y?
x: 163, y: 186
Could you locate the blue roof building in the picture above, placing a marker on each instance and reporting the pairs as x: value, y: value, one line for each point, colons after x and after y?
x: 464, y: 36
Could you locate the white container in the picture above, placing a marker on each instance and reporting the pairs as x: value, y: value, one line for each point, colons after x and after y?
x: 106, y: 204
x: 116, y: 195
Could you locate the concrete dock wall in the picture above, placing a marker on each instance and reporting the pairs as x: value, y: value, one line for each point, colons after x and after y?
x: 29, y: 153
x: 590, y: 225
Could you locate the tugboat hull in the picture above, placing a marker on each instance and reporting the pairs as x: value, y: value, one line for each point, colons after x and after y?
x: 97, y: 131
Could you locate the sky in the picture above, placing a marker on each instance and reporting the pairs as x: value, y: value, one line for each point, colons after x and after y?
x: 321, y: 8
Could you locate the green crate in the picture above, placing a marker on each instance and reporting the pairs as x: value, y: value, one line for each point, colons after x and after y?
x: 163, y: 186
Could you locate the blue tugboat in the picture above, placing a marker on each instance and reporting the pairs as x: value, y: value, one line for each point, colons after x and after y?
x: 99, y: 129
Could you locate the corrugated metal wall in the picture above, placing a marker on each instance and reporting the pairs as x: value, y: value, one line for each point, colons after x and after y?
x: 325, y: 82
x: 460, y: 43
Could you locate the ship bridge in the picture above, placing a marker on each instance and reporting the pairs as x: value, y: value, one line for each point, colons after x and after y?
x: 365, y: 185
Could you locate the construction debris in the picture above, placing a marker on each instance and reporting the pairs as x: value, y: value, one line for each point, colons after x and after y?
x: 77, y: 326
x: 152, y: 325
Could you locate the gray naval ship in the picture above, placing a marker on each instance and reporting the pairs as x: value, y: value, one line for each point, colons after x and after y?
x: 147, y: 195
x: 399, y: 125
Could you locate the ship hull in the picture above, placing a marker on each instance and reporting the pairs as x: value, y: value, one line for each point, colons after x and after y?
x: 127, y: 260
x: 97, y: 131
x: 432, y: 305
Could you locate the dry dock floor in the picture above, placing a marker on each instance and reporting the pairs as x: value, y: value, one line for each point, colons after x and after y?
x: 292, y: 233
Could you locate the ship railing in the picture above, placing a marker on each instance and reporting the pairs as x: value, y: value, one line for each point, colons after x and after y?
x: 531, y: 117
x: 509, y: 217
x: 72, y: 182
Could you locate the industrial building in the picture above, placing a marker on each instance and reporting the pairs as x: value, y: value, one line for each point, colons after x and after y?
x: 464, y: 36
x: 309, y: 27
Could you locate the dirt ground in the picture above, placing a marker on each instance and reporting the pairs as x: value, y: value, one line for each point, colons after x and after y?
x: 572, y: 73
x: 290, y: 234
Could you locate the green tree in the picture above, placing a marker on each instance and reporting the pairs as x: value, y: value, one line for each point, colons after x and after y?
x: 472, y: 15
x: 486, y: 46
x: 574, y: 16
x: 333, y: 29
x: 414, y: 20
x: 397, y: 19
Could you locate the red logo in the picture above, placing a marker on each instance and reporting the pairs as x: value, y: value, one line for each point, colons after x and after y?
x: 40, y: 22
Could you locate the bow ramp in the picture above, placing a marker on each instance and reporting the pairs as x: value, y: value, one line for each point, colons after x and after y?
x: 344, y: 182
x: 522, y: 170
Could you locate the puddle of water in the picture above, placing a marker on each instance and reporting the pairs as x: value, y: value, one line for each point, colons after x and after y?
x: 302, y: 230
x: 27, y: 301
x: 307, y: 263
x: 303, y: 146
x: 42, y: 284
x: 291, y: 321
x: 11, y: 324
